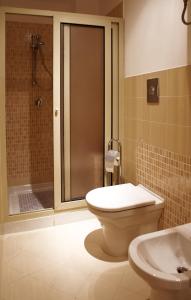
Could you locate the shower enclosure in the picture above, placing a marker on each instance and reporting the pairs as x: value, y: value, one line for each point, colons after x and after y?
x: 63, y: 87
x: 29, y: 110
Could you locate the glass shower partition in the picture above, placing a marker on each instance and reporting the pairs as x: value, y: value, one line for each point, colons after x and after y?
x: 82, y: 109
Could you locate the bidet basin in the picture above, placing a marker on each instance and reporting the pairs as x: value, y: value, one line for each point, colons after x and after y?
x: 163, y: 259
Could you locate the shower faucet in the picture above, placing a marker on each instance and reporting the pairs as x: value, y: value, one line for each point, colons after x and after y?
x: 38, y: 102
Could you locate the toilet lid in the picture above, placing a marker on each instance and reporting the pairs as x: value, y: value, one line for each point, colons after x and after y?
x: 120, y: 197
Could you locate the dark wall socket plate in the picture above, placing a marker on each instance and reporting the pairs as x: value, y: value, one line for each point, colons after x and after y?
x: 153, y: 90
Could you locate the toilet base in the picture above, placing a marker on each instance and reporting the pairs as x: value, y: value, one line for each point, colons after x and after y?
x: 116, y: 242
x: 117, y: 239
x: 120, y: 228
x: 170, y: 295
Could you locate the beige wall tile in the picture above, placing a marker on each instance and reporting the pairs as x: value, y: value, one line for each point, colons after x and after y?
x: 179, y: 111
x: 129, y: 174
x: 130, y: 111
x: 188, y: 111
x: 188, y: 141
x: 134, y: 87
x: 139, y: 108
x: 130, y: 128
x: 158, y: 111
x: 146, y: 112
x: 171, y: 138
x: 160, y: 135
x: 129, y: 150
x: 142, y: 130
x: 181, y: 136
x: 157, y: 134
x: 129, y: 88
x: 179, y: 81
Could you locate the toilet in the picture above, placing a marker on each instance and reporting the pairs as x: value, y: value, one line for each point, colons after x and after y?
x: 125, y: 211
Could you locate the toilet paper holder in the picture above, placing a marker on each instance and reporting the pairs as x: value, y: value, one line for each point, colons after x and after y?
x: 118, y: 145
x: 116, y: 176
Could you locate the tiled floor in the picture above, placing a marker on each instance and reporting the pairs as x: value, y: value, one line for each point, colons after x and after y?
x: 53, y: 264
x: 30, y: 197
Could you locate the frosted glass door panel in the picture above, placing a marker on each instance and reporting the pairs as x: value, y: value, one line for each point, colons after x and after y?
x: 86, y: 110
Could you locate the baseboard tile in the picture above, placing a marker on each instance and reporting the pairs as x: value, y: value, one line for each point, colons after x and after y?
x: 47, y: 221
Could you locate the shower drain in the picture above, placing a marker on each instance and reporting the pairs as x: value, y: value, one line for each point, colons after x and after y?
x: 181, y: 269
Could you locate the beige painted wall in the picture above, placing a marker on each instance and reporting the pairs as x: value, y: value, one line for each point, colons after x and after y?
x: 155, y: 37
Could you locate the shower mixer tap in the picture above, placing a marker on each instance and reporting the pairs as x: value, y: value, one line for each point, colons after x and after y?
x: 38, y: 102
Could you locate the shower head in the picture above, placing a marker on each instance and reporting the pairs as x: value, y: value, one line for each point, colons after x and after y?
x: 36, y: 41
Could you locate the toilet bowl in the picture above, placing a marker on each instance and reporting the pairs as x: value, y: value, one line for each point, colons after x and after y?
x: 124, y: 211
x: 163, y: 260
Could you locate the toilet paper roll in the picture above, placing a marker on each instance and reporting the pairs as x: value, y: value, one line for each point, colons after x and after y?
x: 112, y: 158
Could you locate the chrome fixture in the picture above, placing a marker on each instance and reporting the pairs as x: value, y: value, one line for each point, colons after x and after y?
x: 36, y: 41
x: 38, y: 102
x: 181, y: 269
x: 56, y: 112
x: 184, y: 12
x: 116, y: 177
x: 36, y: 44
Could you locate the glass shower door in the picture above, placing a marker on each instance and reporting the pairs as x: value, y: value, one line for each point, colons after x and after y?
x: 82, y: 109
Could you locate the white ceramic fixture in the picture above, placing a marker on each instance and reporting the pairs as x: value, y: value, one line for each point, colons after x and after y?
x: 124, y: 211
x: 163, y: 259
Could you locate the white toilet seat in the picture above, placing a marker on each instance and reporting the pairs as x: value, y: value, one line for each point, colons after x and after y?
x: 120, y: 197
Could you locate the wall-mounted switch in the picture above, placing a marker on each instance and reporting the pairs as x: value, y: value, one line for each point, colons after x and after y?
x: 153, y: 90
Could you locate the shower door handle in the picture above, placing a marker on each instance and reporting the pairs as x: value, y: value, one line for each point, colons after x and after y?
x: 56, y: 112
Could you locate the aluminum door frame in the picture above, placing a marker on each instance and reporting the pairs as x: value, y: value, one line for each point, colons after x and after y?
x: 106, y: 24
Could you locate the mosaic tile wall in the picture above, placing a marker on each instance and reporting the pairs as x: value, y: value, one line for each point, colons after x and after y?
x: 156, y: 140
x: 29, y: 130
x: 169, y: 175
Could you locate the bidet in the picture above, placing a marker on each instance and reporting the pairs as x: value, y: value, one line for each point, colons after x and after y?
x: 163, y: 259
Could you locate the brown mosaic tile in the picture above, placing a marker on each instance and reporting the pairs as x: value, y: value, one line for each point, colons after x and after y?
x: 29, y: 130
x: 169, y: 175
